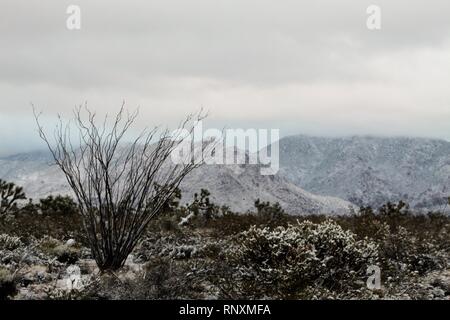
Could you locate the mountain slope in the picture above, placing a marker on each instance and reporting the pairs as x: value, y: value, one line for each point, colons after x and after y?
x: 361, y: 170
x: 369, y: 170
x: 236, y: 186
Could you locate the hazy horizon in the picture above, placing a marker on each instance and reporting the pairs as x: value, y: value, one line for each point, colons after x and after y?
x: 44, y: 148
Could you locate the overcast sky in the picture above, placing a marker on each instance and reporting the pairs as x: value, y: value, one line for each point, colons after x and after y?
x: 308, y: 67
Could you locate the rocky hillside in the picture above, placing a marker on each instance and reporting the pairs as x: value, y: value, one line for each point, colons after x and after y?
x: 236, y: 186
x: 315, y: 174
x: 369, y: 170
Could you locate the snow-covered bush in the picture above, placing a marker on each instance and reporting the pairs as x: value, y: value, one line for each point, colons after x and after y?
x: 402, y: 253
x: 284, y: 261
x: 11, y: 249
x: 8, y: 242
x: 183, y: 252
x: 54, y: 248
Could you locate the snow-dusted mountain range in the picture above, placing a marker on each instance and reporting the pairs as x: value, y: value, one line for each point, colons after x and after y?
x: 316, y: 175
x: 236, y: 186
x: 370, y: 170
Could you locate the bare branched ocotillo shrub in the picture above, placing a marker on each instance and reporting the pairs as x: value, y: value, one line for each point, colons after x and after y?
x: 120, y: 187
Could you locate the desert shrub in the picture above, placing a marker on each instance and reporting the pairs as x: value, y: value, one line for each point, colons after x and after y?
x: 29, y: 223
x: 7, y: 284
x: 173, y: 202
x: 66, y: 254
x: 235, y: 223
x: 409, y: 243
x: 271, y: 211
x: 166, y: 279
x: 370, y: 223
x: 167, y: 223
x: 12, y: 250
x: 47, y: 244
x: 402, y: 253
x: 211, y: 250
x: 55, y: 249
x: 60, y: 205
x: 162, y: 278
x: 183, y: 251
x: 202, y: 207
x: 283, y: 262
x: 8, y: 242
x: 159, y: 244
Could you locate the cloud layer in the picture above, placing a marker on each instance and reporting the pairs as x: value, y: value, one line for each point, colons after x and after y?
x: 301, y: 66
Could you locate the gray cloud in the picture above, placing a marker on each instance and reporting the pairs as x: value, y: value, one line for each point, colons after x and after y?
x: 301, y: 66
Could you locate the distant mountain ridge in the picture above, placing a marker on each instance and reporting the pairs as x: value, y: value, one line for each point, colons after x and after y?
x: 236, y: 186
x: 370, y: 170
x: 317, y: 175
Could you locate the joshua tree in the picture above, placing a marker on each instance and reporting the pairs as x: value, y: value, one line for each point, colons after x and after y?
x: 119, y: 186
x: 9, y: 194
